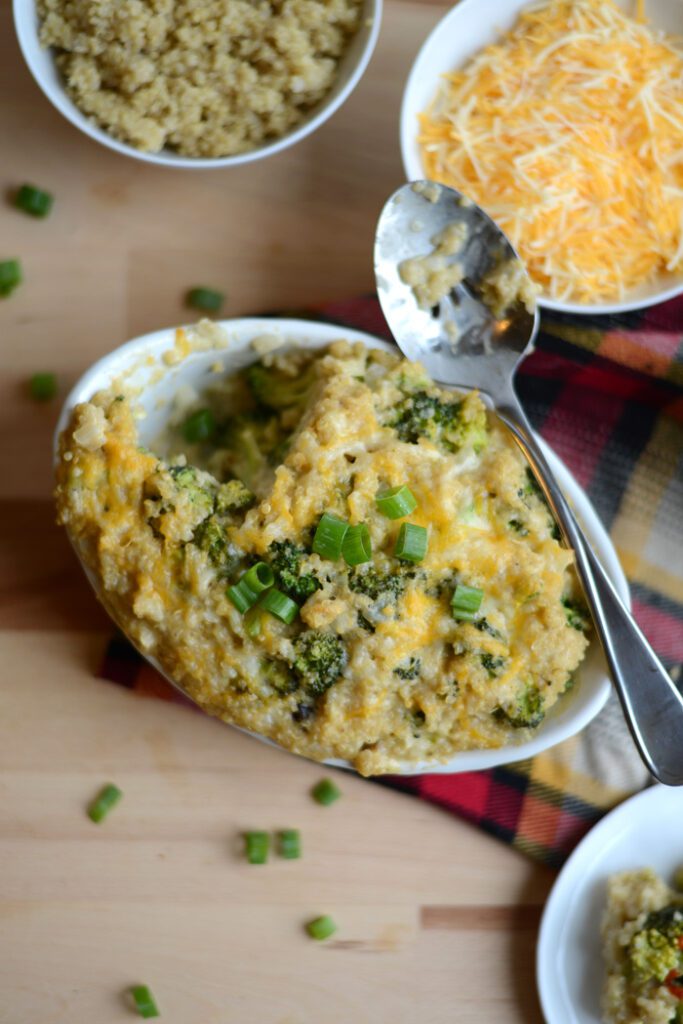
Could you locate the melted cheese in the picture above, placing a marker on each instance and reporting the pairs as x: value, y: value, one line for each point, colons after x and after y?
x: 569, y: 132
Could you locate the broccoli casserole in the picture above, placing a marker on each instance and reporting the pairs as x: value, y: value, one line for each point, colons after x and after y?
x: 328, y: 549
x: 643, y: 949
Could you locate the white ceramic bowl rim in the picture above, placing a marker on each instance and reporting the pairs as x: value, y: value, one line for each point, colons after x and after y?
x: 574, y: 712
x: 352, y: 66
x: 463, y: 31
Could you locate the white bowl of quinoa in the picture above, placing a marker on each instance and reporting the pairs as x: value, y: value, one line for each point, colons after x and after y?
x: 197, y: 83
x: 225, y: 488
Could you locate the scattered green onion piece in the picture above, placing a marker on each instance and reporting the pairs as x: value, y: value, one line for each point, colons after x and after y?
x: 144, y: 1001
x: 10, y: 276
x: 34, y: 201
x: 199, y: 426
x: 207, y: 299
x: 357, y: 546
x: 289, y: 843
x: 43, y: 386
x: 103, y: 803
x: 466, y: 602
x: 396, y: 503
x: 325, y: 792
x: 257, y: 844
x: 321, y: 928
x: 279, y: 605
x: 329, y: 537
x: 245, y: 593
x: 411, y: 545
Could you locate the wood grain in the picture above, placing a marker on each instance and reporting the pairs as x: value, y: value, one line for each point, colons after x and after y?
x: 429, y: 909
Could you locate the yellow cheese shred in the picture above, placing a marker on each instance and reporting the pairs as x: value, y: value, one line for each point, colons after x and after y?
x: 569, y: 132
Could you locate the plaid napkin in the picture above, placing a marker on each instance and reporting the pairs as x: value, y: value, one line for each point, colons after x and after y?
x: 607, y: 394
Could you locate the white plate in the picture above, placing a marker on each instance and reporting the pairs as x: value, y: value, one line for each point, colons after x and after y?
x: 645, y: 831
x: 569, y: 715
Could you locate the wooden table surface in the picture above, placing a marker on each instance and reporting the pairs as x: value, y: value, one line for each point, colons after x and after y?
x: 437, y: 922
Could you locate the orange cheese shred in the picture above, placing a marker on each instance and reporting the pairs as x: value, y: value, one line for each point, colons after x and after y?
x: 569, y: 132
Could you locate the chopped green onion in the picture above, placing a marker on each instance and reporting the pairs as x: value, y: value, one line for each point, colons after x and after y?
x: 245, y: 593
x: 256, y: 845
x: 10, y: 276
x: 411, y: 545
x: 252, y: 622
x: 321, y: 928
x: 325, y: 792
x: 279, y: 605
x: 103, y: 803
x: 43, y: 386
x: 207, y: 299
x: 466, y: 602
x: 357, y: 546
x: 144, y: 1001
x: 199, y: 426
x: 396, y: 503
x: 34, y: 201
x: 329, y: 537
x: 289, y: 843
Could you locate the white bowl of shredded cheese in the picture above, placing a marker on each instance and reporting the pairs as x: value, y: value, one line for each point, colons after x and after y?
x: 569, y: 133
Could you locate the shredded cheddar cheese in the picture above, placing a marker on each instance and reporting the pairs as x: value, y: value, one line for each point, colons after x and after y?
x: 569, y: 132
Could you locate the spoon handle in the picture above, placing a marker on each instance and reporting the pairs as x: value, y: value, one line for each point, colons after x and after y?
x: 652, y: 705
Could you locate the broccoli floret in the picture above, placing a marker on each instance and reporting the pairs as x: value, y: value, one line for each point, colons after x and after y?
x: 444, y: 423
x: 418, y: 719
x: 319, y: 660
x: 577, y: 615
x: 655, y: 950
x: 409, y: 671
x: 186, y: 480
x: 386, y: 587
x: 244, y: 438
x: 492, y: 664
x: 277, y: 390
x: 233, y: 496
x: 211, y: 536
x: 285, y: 562
x: 526, y: 712
x: 518, y: 526
x: 279, y: 675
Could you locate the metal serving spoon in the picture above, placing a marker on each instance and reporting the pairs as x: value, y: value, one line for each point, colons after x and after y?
x: 461, y: 342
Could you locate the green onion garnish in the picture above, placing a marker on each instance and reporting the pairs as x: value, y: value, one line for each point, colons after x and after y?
x: 103, y: 803
x: 207, y: 299
x: 245, y: 593
x: 396, y: 503
x: 10, y: 276
x: 411, y: 545
x: 321, y: 928
x: 43, y: 386
x: 279, y: 605
x: 325, y: 792
x: 289, y: 843
x: 199, y: 426
x: 466, y: 602
x: 144, y: 1001
x: 252, y: 622
x: 357, y: 546
x: 34, y: 201
x: 329, y: 537
x: 256, y: 846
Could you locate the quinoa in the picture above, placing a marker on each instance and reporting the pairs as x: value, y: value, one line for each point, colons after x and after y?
x: 206, y: 78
